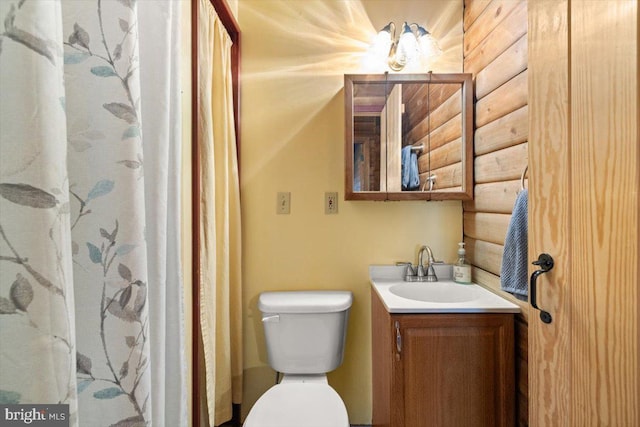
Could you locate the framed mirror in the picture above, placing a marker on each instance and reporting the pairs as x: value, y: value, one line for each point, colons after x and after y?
x: 408, y: 136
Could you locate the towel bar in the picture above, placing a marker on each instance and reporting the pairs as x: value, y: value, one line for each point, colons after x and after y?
x: 524, y: 172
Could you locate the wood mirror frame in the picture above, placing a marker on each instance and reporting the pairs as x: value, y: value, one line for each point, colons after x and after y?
x: 384, y: 113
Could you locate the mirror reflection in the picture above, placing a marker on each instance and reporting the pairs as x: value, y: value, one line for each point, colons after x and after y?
x: 408, y: 136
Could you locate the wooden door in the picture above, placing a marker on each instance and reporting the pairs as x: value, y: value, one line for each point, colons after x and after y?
x: 584, y: 169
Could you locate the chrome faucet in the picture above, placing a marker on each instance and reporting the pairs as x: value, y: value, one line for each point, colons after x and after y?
x: 430, y: 276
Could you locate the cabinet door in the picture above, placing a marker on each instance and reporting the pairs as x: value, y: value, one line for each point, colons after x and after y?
x: 455, y: 370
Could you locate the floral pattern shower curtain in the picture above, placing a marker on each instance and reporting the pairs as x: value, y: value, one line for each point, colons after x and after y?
x: 75, y: 290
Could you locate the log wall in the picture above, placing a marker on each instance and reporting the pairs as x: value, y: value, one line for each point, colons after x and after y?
x: 434, y: 122
x: 495, y: 52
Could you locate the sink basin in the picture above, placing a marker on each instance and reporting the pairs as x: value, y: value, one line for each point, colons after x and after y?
x: 436, y: 292
x: 443, y: 296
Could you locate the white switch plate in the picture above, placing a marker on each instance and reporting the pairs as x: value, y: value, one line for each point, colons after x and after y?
x: 330, y: 202
x: 283, y: 203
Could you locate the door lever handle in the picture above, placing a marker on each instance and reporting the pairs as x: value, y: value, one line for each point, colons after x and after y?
x: 545, y: 262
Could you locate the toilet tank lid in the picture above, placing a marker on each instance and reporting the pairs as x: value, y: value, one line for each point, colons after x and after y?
x: 304, y: 301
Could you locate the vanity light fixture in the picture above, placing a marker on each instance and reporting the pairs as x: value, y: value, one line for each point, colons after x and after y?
x: 413, y: 42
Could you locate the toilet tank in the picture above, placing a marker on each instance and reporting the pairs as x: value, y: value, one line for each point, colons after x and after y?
x: 305, y: 331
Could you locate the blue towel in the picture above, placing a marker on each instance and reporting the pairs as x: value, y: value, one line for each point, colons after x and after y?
x: 513, y: 274
x: 410, y: 176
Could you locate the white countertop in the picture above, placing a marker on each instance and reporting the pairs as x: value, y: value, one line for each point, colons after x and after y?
x: 383, y: 277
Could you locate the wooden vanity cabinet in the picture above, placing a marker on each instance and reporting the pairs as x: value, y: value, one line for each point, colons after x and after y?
x: 452, y: 369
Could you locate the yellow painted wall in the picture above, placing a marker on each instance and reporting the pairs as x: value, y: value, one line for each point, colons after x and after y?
x: 294, y: 56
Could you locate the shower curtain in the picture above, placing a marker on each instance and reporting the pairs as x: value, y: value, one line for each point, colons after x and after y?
x: 90, y: 280
x: 220, y: 232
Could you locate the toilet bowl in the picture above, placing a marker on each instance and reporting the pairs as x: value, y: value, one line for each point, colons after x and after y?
x: 293, y: 403
x: 305, y: 332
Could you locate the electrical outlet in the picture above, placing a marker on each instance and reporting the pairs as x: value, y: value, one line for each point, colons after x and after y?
x: 283, y: 203
x: 330, y: 202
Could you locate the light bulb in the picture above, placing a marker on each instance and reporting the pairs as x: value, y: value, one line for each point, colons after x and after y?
x: 408, y: 47
x: 429, y: 46
x: 381, y: 44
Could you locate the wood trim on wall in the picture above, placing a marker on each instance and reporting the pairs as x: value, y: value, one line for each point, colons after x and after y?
x: 195, y: 221
x: 226, y: 17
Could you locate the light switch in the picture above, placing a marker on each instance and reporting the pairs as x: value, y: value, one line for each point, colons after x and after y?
x: 330, y: 202
x: 283, y: 201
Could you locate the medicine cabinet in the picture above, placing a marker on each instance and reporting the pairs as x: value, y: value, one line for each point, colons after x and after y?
x: 408, y: 136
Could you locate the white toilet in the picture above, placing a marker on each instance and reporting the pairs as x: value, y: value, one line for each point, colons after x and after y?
x: 305, y: 333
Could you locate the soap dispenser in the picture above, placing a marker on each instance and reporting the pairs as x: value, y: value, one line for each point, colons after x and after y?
x: 461, y: 270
